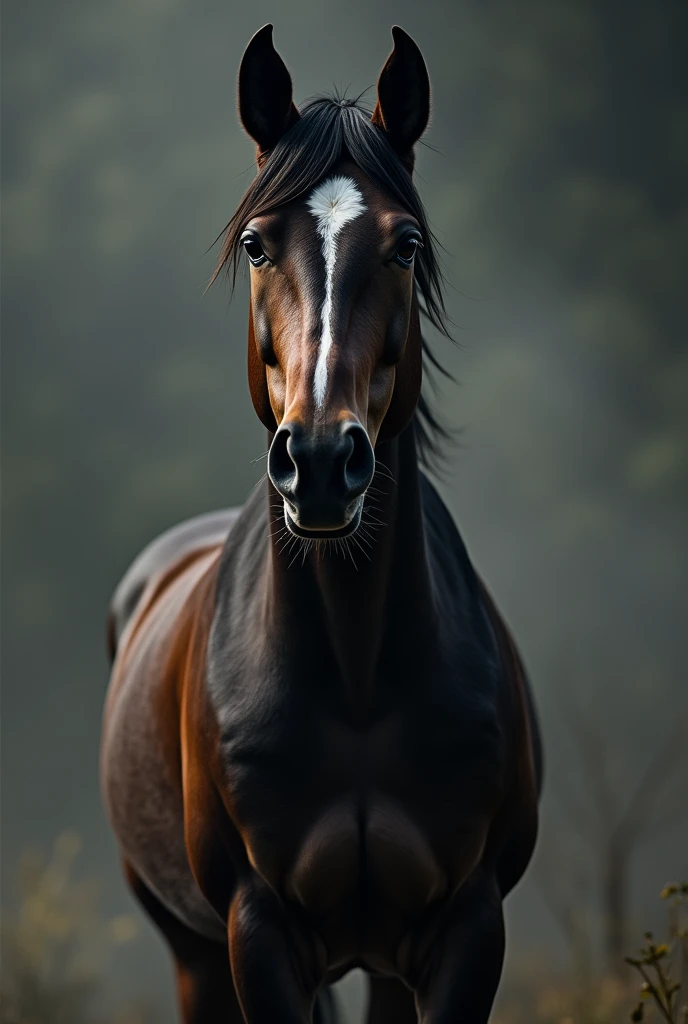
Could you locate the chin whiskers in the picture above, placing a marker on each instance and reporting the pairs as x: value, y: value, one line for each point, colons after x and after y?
x: 363, y: 540
x: 287, y: 544
x: 384, y: 471
x: 370, y: 520
x: 358, y: 544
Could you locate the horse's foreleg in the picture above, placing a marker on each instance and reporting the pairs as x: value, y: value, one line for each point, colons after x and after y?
x: 274, y: 969
x: 204, y: 978
x: 460, y: 979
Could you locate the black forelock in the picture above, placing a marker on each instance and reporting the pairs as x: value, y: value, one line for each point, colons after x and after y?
x: 330, y: 129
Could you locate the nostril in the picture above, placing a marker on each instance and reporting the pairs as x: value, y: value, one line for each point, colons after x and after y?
x: 281, y: 466
x: 360, y: 464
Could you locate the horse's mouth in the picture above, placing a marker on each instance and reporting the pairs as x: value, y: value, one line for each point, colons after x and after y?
x: 334, y: 533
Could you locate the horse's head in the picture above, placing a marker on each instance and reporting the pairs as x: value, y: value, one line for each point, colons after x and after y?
x: 336, y: 239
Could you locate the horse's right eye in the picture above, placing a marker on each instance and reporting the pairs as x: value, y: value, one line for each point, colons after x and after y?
x: 254, y: 250
x: 407, y: 250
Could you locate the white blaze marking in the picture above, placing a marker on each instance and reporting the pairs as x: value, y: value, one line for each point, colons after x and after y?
x: 333, y: 204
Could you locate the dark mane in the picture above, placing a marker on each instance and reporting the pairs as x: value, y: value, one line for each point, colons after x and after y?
x: 328, y: 129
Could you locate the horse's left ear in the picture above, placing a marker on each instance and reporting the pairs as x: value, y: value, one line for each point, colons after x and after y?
x: 403, y: 95
x: 266, y: 108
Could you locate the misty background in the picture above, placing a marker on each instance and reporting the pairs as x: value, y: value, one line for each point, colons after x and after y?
x: 555, y: 179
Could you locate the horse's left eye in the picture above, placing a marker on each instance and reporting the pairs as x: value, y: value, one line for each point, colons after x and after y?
x: 407, y: 250
x: 254, y: 250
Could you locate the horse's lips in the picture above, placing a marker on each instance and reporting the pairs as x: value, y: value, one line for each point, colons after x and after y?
x: 323, y: 534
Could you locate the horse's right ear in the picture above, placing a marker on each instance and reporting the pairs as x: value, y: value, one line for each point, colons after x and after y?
x: 403, y: 96
x: 266, y: 108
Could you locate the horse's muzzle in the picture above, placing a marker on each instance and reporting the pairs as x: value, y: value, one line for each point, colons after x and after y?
x: 322, y: 476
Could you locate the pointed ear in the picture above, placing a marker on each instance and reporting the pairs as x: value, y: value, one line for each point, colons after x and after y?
x: 266, y: 109
x: 403, y: 95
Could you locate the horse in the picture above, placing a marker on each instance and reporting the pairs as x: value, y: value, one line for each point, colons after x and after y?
x: 320, y: 750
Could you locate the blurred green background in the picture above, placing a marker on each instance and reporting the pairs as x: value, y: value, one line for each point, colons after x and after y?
x: 555, y: 178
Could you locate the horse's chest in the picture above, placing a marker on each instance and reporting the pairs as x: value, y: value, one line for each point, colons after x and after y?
x: 398, y: 807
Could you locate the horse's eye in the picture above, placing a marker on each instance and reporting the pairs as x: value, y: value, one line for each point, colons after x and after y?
x: 407, y: 250
x: 254, y: 250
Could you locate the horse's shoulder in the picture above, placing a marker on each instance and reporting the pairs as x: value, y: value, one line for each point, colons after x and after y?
x: 164, y: 557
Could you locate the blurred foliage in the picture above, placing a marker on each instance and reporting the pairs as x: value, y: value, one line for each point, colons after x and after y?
x: 536, y: 992
x: 56, y: 946
x: 663, y: 966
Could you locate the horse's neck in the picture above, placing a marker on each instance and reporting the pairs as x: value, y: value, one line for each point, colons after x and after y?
x: 373, y: 593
